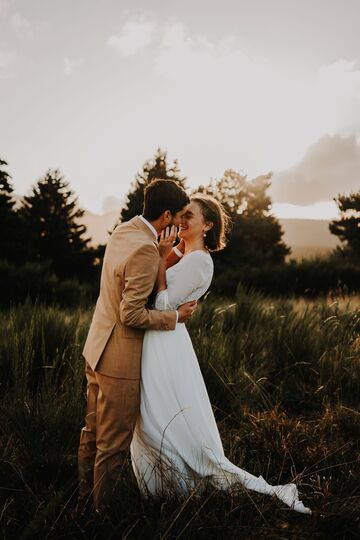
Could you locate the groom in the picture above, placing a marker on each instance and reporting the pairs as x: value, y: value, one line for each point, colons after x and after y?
x: 113, y: 346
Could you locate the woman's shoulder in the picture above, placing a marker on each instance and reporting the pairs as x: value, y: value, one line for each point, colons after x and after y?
x: 199, y: 259
x: 199, y: 255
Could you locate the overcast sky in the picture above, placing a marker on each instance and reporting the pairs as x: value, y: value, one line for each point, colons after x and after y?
x: 93, y: 87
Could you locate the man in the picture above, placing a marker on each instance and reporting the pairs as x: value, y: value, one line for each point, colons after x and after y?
x: 113, y: 346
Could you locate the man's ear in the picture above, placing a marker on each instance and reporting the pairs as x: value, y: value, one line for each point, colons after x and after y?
x: 167, y: 216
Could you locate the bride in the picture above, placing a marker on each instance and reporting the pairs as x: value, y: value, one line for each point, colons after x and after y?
x: 176, y: 441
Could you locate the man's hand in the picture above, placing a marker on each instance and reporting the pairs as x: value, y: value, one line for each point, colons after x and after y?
x: 186, y: 310
x: 167, y: 239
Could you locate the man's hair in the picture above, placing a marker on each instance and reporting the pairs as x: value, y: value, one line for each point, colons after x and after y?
x: 162, y: 195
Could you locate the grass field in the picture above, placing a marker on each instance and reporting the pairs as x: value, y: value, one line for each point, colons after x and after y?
x: 284, y: 380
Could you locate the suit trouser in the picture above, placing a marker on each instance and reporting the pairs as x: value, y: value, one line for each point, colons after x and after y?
x: 112, y: 408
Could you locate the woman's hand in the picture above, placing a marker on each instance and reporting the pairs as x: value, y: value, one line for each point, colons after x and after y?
x: 167, y: 239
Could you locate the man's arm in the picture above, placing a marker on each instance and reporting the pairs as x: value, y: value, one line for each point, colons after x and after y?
x: 140, y: 275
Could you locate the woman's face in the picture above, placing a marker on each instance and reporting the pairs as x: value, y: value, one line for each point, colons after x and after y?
x: 192, y: 222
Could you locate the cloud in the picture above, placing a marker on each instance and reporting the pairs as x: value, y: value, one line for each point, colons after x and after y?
x: 247, y: 111
x: 71, y: 64
x: 16, y: 20
x: 4, y: 7
x: 340, y: 78
x: 330, y: 166
x: 135, y: 35
x: 21, y: 25
x: 7, y: 63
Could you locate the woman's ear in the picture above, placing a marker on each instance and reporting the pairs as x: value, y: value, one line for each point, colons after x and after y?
x: 208, y: 225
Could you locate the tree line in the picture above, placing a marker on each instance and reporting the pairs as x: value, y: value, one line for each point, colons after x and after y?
x: 46, y: 228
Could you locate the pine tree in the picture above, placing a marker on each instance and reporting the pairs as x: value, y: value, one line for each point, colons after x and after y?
x: 52, y: 217
x: 11, y: 237
x: 154, y: 168
x: 231, y: 190
x: 256, y: 234
x: 347, y: 228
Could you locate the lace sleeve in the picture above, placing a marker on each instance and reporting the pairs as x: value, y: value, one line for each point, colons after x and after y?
x: 187, y: 280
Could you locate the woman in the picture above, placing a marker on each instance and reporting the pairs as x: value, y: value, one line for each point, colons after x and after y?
x: 176, y: 441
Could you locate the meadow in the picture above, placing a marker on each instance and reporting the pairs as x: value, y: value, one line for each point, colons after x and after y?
x: 283, y: 376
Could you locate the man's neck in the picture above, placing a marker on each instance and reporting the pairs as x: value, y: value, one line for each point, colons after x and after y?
x: 154, y: 224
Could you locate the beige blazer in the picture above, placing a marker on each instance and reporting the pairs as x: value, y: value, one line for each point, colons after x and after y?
x: 114, y: 342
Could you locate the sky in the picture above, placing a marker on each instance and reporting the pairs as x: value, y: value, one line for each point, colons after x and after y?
x: 93, y: 87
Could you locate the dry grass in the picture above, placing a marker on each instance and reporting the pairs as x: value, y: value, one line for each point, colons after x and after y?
x: 284, y: 380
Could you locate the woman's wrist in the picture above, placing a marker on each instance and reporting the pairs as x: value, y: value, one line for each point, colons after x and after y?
x: 177, y: 252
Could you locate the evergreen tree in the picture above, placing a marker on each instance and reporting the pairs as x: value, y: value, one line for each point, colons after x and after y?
x: 6, y: 190
x: 347, y: 228
x: 52, y: 218
x: 231, y: 190
x: 152, y: 169
x: 256, y: 234
x: 12, y: 245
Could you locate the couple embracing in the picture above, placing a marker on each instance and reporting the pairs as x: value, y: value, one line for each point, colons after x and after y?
x: 145, y: 391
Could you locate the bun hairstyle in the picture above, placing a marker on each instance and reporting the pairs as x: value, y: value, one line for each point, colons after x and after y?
x: 213, y: 212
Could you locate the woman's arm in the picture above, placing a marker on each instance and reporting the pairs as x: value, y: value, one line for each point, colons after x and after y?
x: 161, y: 276
x: 173, y: 257
x: 167, y: 238
x: 188, y: 281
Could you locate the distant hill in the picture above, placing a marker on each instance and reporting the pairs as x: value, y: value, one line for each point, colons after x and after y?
x: 308, y: 252
x: 99, y: 225
x: 310, y: 232
x: 306, y: 237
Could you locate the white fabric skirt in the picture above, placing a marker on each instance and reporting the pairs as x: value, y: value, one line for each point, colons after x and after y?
x: 176, y: 444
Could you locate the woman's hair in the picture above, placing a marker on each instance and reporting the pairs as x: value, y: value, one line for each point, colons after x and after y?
x: 213, y: 211
x: 162, y: 195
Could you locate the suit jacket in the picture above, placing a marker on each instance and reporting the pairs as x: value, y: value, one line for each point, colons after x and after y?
x: 114, y: 342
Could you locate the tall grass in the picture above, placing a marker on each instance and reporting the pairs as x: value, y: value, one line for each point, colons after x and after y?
x: 261, y: 352
x: 284, y: 380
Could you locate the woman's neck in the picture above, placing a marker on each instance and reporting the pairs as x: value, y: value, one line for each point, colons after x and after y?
x: 194, y: 245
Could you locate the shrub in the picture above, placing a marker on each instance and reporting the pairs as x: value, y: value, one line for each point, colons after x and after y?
x: 36, y: 282
x: 310, y: 277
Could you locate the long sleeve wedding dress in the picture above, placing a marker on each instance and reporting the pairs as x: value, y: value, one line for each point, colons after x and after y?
x: 176, y: 442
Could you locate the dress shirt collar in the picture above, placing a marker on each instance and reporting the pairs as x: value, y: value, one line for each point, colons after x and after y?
x: 152, y: 229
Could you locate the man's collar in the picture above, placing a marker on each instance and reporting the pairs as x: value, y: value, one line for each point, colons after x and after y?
x: 152, y: 229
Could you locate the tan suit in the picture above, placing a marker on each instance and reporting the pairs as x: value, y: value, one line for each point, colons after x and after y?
x: 113, y: 354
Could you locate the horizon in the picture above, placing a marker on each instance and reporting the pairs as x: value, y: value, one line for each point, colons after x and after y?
x: 280, y: 210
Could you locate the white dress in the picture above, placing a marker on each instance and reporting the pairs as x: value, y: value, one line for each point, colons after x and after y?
x: 176, y: 444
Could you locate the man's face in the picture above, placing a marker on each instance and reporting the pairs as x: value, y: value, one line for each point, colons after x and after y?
x: 179, y: 216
